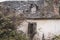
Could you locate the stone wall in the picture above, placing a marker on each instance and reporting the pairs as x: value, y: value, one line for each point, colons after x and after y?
x: 46, y: 27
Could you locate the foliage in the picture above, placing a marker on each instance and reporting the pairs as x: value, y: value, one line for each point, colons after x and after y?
x: 56, y: 37
x: 8, y: 24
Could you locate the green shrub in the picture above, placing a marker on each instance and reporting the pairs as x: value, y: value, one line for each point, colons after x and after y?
x: 8, y: 25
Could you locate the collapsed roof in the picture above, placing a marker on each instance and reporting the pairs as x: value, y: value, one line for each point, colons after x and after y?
x: 33, y: 9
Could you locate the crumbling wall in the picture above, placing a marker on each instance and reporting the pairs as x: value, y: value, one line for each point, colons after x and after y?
x: 48, y: 27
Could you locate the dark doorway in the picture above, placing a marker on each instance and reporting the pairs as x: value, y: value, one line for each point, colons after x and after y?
x: 31, y: 30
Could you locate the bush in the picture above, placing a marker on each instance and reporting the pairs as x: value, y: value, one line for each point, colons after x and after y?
x: 56, y: 37
x: 8, y: 25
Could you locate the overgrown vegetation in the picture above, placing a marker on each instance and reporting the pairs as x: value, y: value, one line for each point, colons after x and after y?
x: 56, y: 37
x: 8, y: 24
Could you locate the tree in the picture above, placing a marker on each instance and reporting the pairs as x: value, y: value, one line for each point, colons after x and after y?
x: 8, y: 24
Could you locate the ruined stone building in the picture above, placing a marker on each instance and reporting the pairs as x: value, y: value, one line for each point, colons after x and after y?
x: 39, y: 18
x: 42, y: 17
